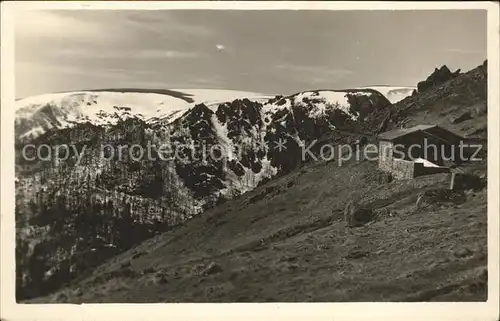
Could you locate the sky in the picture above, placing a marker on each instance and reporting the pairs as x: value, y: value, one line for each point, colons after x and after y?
x: 270, y: 52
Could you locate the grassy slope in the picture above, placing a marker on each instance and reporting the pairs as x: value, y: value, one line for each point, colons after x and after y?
x: 286, y: 240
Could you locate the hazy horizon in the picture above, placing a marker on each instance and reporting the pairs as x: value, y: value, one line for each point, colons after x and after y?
x: 271, y: 52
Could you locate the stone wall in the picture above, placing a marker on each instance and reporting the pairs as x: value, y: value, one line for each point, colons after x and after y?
x: 399, y: 168
x: 385, y: 156
x: 402, y: 169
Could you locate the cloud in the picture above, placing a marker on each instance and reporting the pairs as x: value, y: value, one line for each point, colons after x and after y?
x: 314, y: 74
x: 124, y: 54
x: 165, y: 23
x: 54, y: 24
x: 465, y: 51
x: 207, y: 80
x: 109, y: 73
x: 317, y: 70
x: 104, y: 27
x: 161, y: 54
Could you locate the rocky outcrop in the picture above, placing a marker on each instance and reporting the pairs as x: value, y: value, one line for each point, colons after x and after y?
x: 438, y: 77
x: 468, y: 89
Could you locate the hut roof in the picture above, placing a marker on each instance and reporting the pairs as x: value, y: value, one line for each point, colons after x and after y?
x: 397, y: 133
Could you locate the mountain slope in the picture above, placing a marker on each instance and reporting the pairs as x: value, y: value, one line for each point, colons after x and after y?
x: 139, y: 177
x: 263, y: 248
x: 286, y: 240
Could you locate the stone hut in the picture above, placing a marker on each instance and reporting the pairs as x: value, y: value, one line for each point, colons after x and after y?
x: 419, y: 150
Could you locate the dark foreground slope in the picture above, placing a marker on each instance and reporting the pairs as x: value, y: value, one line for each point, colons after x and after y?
x: 278, y: 250
x: 287, y: 239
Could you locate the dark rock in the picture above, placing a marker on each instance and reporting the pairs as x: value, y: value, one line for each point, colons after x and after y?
x: 464, y: 182
x: 212, y: 268
x: 461, y: 118
x: 363, y: 141
x: 270, y: 189
x: 148, y: 270
x: 160, y: 278
x: 121, y: 273
x: 355, y: 215
x: 125, y: 265
x: 60, y: 298
x: 257, y: 197
x: 78, y: 292
x: 236, y: 167
x: 137, y: 255
x: 356, y: 253
x: 480, y: 111
x: 440, y: 196
x: 384, y: 178
x: 288, y: 259
x: 464, y: 252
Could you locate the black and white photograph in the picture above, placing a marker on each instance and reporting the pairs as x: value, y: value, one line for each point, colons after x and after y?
x: 246, y: 155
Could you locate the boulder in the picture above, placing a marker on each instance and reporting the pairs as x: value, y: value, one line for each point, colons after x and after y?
x: 59, y: 297
x: 462, y: 182
x: 462, y: 117
x: 463, y: 252
x: 212, y: 268
x: 356, y: 216
x: 439, y: 196
x: 384, y: 178
x: 160, y: 278
x: 356, y: 253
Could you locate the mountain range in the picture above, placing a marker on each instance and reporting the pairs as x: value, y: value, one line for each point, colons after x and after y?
x: 91, y: 205
x: 35, y: 115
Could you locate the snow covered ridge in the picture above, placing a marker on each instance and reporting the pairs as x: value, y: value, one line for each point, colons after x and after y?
x: 35, y: 115
x: 318, y: 101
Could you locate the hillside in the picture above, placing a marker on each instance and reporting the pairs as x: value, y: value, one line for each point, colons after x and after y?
x: 117, y: 183
x: 286, y: 240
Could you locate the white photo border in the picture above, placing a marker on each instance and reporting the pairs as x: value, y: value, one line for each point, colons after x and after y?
x: 468, y: 311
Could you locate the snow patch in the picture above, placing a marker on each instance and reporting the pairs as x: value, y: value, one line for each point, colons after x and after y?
x: 425, y: 162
